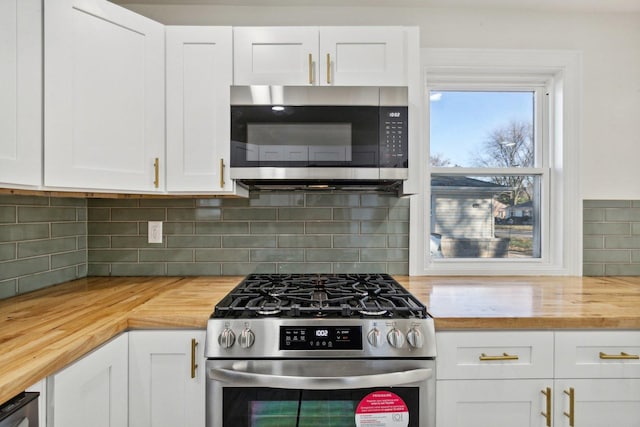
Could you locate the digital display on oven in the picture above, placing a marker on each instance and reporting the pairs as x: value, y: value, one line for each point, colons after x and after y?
x: 320, y: 338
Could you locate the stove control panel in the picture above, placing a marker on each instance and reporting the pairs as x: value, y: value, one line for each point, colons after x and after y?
x: 320, y: 338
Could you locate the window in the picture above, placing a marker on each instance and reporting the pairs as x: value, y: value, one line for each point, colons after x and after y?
x: 488, y: 165
x: 500, y: 173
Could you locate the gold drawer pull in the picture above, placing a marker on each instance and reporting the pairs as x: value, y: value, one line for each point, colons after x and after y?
x: 328, y: 68
x: 221, y: 173
x: 156, y: 167
x: 505, y: 356
x: 572, y: 400
x: 194, y: 365
x: 310, y: 69
x: 621, y: 356
x: 547, y: 415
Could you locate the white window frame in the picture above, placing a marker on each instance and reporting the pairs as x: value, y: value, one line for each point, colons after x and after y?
x: 557, y: 73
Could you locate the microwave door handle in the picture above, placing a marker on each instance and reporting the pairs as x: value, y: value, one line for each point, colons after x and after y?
x: 253, y: 379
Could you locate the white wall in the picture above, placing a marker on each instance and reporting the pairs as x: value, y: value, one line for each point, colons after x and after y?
x: 610, y: 43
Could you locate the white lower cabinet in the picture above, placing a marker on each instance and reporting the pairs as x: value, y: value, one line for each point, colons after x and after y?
x: 597, y: 403
x: 494, y: 379
x: 491, y: 403
x: 538, y: 378
x: 597, y: 378
x: 166, y: 378
x: 93, y: 390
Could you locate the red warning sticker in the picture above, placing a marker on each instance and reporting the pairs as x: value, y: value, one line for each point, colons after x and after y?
x: 382, y: 409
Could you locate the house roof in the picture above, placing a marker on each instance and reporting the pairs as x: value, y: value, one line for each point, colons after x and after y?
x: 464, y: 181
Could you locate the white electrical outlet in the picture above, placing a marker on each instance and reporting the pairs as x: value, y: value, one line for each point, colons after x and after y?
x: 155, y: 231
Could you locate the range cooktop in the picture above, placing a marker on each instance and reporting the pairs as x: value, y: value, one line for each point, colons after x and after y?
x: 320, y: 296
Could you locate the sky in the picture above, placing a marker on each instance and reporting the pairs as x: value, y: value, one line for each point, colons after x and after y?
x: 461, y: 121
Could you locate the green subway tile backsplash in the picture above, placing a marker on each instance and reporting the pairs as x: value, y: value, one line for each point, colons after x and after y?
x: 43, y: 241
x: 611, y: 242
x: 47, y: 240
x: 7, y: 214
x: 285, y: 232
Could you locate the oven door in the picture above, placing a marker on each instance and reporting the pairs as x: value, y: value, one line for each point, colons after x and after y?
x: 329, y: 392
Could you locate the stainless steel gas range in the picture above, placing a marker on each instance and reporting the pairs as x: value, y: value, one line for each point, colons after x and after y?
x: 320, y: 350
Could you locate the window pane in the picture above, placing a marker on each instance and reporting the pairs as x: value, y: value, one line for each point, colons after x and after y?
x: 485, y: 217
x: 482, y: 128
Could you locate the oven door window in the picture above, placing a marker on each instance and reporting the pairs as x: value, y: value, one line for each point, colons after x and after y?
x: 268, y: 407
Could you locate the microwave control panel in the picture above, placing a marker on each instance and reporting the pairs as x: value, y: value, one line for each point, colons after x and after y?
x: 394, y: 137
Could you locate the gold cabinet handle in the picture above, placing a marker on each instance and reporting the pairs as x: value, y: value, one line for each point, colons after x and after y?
x: 505, y: 356
x: 221, y: 173
x: 194, y: 365
x: 156, y: 166
x: 310, y: 69
x: 328, y: 68
x: 547, y: 415
x: 572, y: 398
x: 621, y: 356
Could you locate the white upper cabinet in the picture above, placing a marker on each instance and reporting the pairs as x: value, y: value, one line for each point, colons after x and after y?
x: 21, y: 92
x: 327, y: 56
x: 275, y: 55
x: 199, y: 74
x: 359, y: 56
x: 104, y: 97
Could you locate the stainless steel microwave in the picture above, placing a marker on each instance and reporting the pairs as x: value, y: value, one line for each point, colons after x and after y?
x: 348, y: 134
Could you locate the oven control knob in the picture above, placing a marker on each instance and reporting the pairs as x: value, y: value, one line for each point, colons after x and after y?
x: 226, y: 338
x: 395, y: 338
x: 246, y: 338
x: 415, y: 338
x: 374, y: 337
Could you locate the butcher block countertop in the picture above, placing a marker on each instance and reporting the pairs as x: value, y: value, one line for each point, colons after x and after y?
x: 43, y: 331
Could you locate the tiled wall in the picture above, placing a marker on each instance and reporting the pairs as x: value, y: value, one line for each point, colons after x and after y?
x: 45, y: 240
x: 611, y: 238
x: 269, y: 232
x: 42, y: 242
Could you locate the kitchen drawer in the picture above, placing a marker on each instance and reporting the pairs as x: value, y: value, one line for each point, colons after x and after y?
x: 597, y: 354
x: 499, y: 355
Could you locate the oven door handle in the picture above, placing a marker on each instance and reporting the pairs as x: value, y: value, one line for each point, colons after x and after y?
x: 254, y: 379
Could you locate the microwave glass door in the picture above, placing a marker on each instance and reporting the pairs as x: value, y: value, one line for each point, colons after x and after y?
x: 267, y: 407
x: 304, y: 136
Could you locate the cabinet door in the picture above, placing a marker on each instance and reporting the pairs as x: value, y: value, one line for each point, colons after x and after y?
x: 597, y: 354
x: 104, y: 97
x: 598, y: 402
x: 93, y: 390
x: 275, y: 56
x: 199, y: 74
x: 21, y: 92
x: 164, y: 391
x: 491, y: 403
x: 499, y: 354
x: 363, y: 56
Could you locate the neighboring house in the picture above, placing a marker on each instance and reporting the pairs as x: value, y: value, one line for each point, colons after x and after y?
x: 500, y: 210
x: 463, y: 215
x: 463, y: 207
x: 520, y: 213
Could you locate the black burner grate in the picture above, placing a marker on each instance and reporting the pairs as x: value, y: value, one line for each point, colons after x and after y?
x: 320, y: 295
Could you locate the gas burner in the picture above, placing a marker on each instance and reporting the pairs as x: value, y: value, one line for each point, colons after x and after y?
x: 320, y: 296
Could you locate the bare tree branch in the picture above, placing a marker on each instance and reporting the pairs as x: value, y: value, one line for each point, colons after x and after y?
x: 510, y: 146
